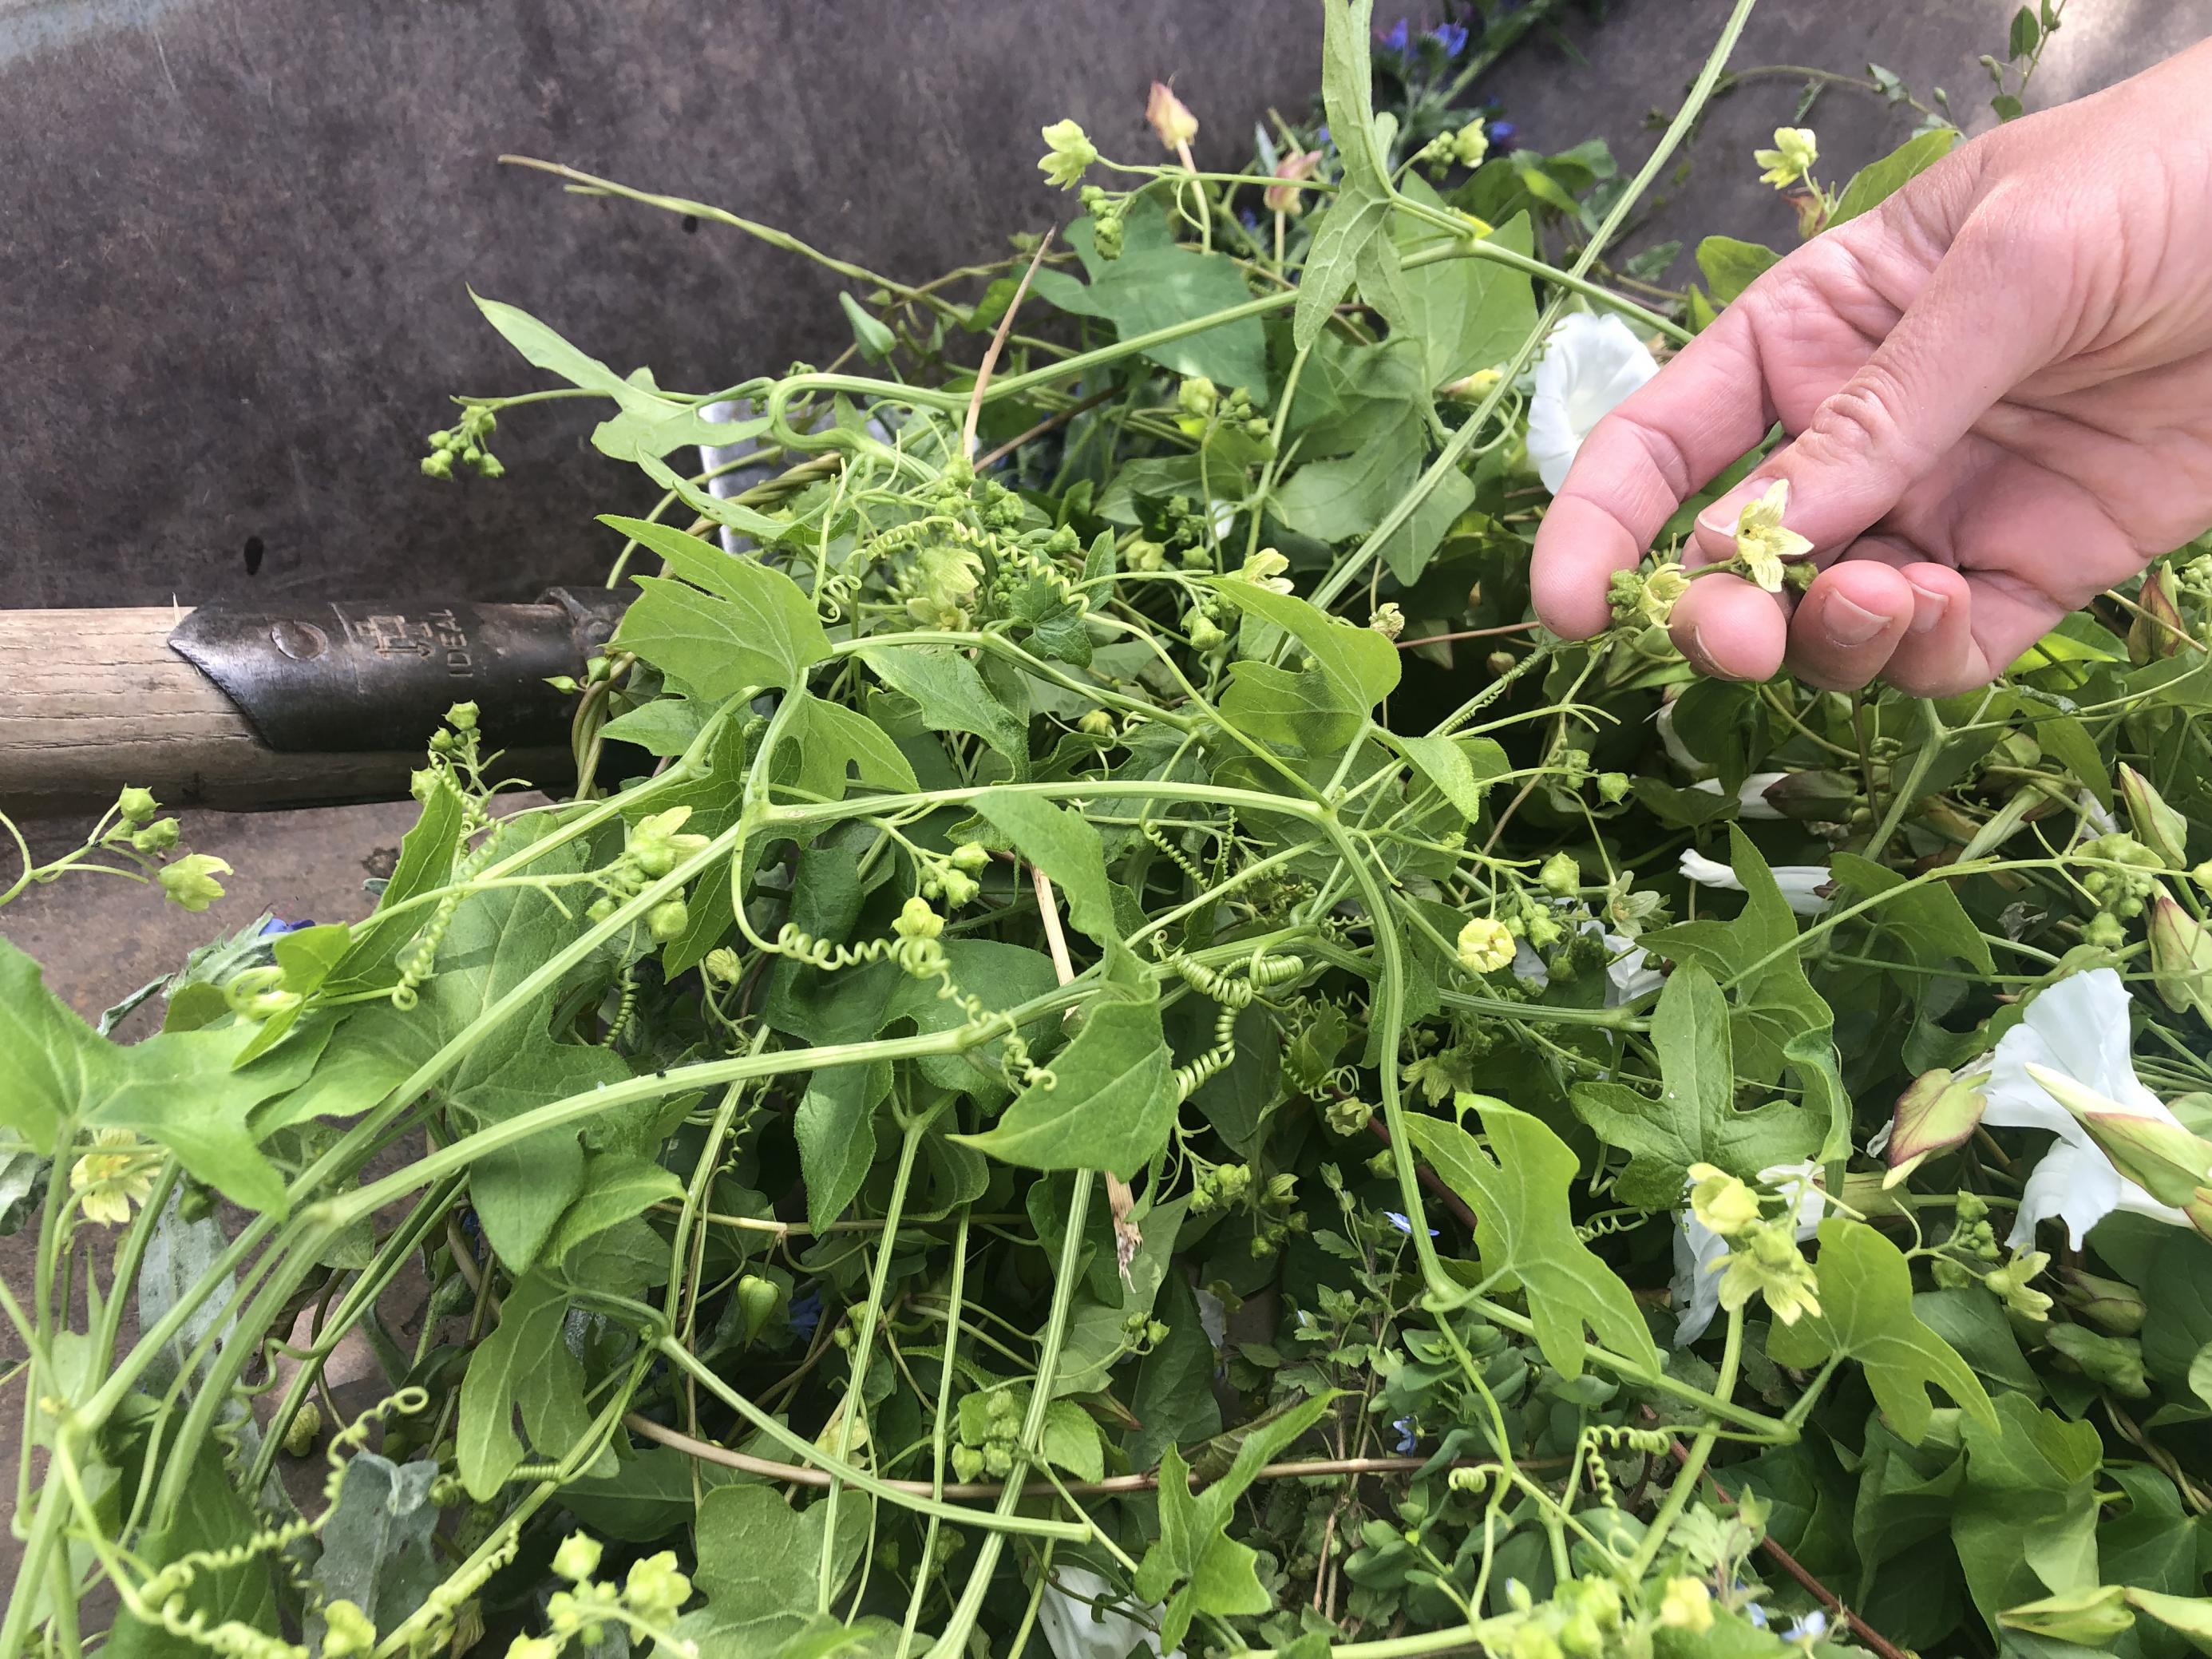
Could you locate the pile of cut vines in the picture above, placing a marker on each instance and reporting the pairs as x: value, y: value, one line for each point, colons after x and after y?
x: 1114, y: 1053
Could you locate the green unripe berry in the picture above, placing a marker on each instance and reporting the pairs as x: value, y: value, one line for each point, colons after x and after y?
x: 137, y: 805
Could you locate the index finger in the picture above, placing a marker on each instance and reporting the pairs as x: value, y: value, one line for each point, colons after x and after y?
x: 1640, y: 463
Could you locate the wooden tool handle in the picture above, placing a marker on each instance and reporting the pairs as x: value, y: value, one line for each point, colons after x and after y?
x: 93, y: 700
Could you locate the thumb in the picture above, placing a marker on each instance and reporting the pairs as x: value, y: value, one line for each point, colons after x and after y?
x: 1938, y: 370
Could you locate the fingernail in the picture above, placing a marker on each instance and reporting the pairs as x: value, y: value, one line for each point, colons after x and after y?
x: 1720, y: 518
x: 1928, y: 607
x: 1848, y: 623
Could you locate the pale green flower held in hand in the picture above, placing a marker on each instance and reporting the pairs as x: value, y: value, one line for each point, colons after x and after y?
x: 191, y: 881
x: 1761, y: 540
x: 1068, y: 154
x: 1795, y: 150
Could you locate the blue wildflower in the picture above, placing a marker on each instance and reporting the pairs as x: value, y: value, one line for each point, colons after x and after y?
x: 1322, y: 137
x: 1756, y: 1614
x: 1399, y: 37
x: 1402, y: 1223
x: 1502, y: 132
x: 1250, y: 220
x: 1811, y: 1628
x: 1452, y: 37
x: 805, y: 1313
x: 277, y: 925
x: 1407, y: 1440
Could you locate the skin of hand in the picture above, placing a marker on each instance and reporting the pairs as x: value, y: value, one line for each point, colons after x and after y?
x: 1995, y: 393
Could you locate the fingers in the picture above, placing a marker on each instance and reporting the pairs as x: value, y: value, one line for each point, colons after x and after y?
x: 1938, y: 655
x: 1897, y: 415
x: 1706, y: 408
x: 1730, y: 629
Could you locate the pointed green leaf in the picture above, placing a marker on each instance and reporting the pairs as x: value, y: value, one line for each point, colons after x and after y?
x: 1462, y: 767
x: 952, y: 696
x: 1695, y: 1120
x: 1866, y: 1314
x: 1111, y: 1106
x: 1063, y: 844
x: 1357, y: 662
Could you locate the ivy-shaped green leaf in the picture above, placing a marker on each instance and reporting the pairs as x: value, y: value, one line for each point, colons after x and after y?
x: 731, y: 625
x: 1358, y: 663
x: 1519, y: 1191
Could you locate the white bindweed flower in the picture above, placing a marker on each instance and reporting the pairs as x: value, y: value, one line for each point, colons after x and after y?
x: 1075, y: 1628
x: 1627, y: 976
x: 1700, y: 1251
x: 1677, y: 750
x: 2078, y: 1028
x: 1589, y: 364
x: 1751, y: 801
x: 1800, y: 883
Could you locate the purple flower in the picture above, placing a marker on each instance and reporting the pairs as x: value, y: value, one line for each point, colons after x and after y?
x: 1452, y: 37
x: 277, y: 925
x: 1402, y: 1223
x: 1502, y: 132
x: 1322, y: 137
x: 1811, y: 1628
x: 1407, y: 1440
x: 805, y: 1313
x: 1400, y: 36
x: 1250, y: 220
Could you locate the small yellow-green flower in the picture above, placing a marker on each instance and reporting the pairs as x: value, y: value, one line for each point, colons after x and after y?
x: 1389, y: 620
x: 1470, y: 144
x: 1068, y: 154
x: 1485, y: 945
x: 1687, y: 1605
x: 578, y: 1558
x: 1722, y: 1202
x: 1265, y: 569
x: 191, y: 881
x: 1662, y: 589
x: 107, y: 1183
x: 918, y: 920
x: 1795, y: 150
x: 1767, y: 1263
x: 1761, y: 540
x: 2009, y: 1285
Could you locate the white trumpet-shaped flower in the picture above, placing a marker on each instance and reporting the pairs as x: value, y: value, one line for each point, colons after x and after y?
x: 1800, y: 883
x: 1076, y: 1625
x: 1700, y: 1251
x: 1751, y: 801
x: 1590, y: 364
x: 2078, y: 1029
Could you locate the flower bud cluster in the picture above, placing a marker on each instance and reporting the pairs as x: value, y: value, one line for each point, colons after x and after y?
x: 655, y: 845
x: 464, y: 444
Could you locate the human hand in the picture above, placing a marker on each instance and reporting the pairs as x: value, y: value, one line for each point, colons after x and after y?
x: 1997, y: 389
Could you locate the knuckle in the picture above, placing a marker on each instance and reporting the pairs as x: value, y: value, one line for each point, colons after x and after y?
x: 1858, y: 424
